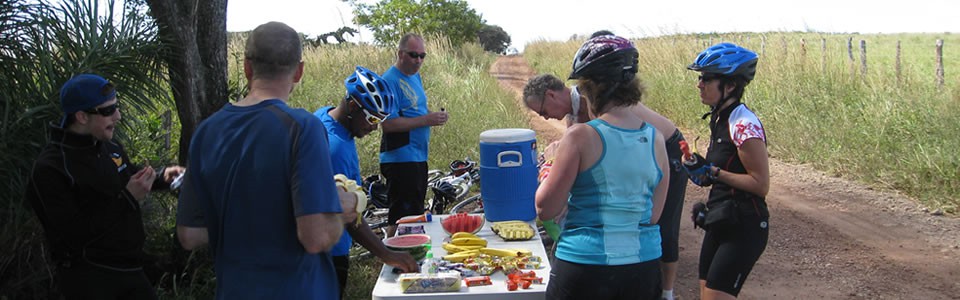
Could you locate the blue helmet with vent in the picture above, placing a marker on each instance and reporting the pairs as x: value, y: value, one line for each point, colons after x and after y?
x: 727, y: 59
x: 372, y: 92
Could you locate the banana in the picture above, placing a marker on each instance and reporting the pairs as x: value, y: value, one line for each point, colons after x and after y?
x: 464, y: 235
x: 499, y: 252
x: 451, y: 248
x: 361, y: 205
x: 469, y: 242
x: 462, y: 255
x: 349, y: 185
x: 522, y: 252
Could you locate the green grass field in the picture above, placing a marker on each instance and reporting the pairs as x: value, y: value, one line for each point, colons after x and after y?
x: 867, y: 127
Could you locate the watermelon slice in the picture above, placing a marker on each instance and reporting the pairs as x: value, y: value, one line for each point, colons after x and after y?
x: 462, y: 222
x: 415, y: 244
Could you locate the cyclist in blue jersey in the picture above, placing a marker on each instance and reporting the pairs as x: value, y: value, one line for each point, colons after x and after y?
x: 736, y: 219
x: 406, y: 135
x: 260, y: 189
x: 368, y: 101
x: 610, y: 174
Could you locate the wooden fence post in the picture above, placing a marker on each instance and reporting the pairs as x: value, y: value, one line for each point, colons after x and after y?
x: 853, y: 72
x: 823, y: 55
x: 897, y: 65
x: 763, y: 45
x: 939, y: 64
x: 863, y: 59
x: 803, y: 54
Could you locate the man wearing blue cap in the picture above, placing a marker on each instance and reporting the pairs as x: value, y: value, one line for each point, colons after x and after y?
x: 87, y: 196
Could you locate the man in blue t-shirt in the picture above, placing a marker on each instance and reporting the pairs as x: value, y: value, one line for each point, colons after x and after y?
x: 260, y: 188
x: 368, y: 101
x: 406, y: 135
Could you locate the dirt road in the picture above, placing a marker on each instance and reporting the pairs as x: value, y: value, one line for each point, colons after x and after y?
x: 829, y: 238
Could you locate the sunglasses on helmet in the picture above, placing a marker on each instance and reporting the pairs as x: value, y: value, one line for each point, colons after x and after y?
x: 105, y: 111
x: 371, y: 119
x: 415, y: 55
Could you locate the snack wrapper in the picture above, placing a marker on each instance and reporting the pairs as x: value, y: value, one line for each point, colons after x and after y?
x: 429, y: 283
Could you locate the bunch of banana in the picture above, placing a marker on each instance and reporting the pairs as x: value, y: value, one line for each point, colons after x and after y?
x: 463, y: 245
x: 350, y: 185
x: 506, y: 252
x: 513, y: 230
x: 461, y: 256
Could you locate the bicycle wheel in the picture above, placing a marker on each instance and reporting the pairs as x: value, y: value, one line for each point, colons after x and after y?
x: 473, y: 205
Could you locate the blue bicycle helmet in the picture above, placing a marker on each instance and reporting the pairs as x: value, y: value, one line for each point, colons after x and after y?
x: 606, y: 58
x: 727, y: 59
x: 371, y: 91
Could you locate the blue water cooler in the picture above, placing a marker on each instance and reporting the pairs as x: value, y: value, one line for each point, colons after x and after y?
x: 508, y: 174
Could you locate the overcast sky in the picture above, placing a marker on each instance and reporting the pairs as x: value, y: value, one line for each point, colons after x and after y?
x: 530, y: 20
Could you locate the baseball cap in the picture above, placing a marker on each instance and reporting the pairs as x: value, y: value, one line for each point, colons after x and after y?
x: 83, y: 92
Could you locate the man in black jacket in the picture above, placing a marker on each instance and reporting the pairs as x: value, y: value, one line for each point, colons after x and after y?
x: 87, y: 196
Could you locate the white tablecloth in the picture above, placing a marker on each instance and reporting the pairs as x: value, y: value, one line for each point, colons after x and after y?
x: 387, y: 287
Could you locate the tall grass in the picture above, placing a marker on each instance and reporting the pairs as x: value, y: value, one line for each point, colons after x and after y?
x: 868, y: 127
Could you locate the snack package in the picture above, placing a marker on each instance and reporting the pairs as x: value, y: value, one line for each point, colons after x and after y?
x: 429, y: 283
x: 410, y: 229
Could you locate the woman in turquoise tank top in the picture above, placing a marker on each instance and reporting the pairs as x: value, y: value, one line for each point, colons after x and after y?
x: 611, y: 174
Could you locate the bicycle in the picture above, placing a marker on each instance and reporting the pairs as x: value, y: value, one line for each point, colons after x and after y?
x: 452, y: 187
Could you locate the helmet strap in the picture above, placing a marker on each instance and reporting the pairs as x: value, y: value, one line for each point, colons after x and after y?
x: 723, y: 100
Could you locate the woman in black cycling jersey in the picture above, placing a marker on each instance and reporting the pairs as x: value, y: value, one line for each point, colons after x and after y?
x: 736, y: 167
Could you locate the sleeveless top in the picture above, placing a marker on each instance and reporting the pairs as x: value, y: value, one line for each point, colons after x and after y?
x: 610, y: 204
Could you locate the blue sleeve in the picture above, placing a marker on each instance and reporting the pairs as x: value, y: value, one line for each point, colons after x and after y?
x: 312, y: 185
x: 190, y: 205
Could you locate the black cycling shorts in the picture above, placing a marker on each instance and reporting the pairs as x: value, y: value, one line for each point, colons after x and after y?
x: 341, y: 264
x: 673, y: 207
x: 578, y: 281
x: 406, y: 188
x: 728, y: 253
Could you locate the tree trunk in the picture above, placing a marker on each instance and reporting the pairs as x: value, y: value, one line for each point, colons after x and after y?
x: 195, y: 35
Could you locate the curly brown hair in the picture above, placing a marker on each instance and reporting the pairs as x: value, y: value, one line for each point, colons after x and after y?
x: 624, y: 94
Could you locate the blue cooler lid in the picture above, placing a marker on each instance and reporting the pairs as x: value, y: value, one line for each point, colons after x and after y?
x: 507, y: 135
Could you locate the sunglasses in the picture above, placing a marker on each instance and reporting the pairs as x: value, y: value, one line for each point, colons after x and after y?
x: 707, y: 77
x: 105, y: 111
x: 415, y: 55
x: 369, y: 117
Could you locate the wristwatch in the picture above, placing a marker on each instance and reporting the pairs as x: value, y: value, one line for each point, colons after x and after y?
x: 714, y: 172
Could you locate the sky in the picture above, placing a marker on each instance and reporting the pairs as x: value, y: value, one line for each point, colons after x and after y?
x: 557, y: 20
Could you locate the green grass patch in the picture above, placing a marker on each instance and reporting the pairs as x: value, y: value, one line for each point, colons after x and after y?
x: 817, y: 105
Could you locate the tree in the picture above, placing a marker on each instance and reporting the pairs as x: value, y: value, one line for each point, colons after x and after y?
x: 494, y: 39
x: 390, y: 19
x: 195, y: 33
x: 323, y: 39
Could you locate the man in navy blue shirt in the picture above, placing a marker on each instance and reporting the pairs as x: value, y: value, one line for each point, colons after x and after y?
x: 260, y: 189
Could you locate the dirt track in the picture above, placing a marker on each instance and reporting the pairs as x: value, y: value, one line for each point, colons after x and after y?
x: 829, y: 238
